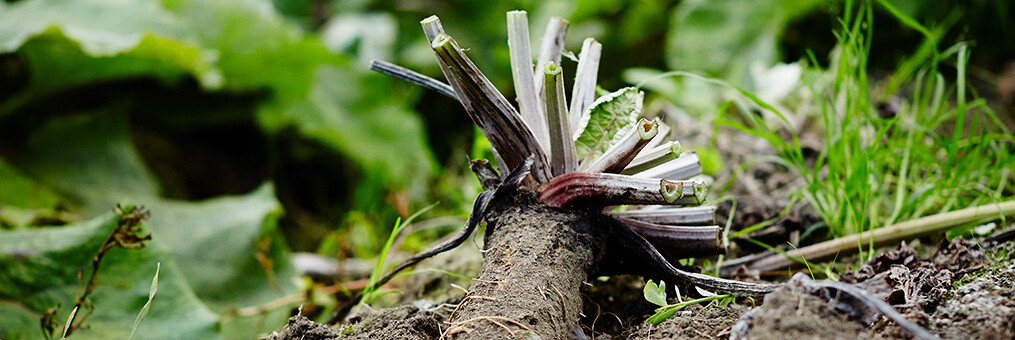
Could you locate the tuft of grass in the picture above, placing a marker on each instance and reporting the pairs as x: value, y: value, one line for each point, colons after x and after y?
x: 370, y: 290
x: 929, y: 156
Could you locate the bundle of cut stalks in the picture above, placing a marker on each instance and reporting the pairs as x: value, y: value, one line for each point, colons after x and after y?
x: 590, y: 153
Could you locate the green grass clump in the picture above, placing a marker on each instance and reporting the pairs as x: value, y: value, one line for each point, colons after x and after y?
x: 939, y: 151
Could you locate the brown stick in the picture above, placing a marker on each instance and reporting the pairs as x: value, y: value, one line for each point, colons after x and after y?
x: 887, y: 235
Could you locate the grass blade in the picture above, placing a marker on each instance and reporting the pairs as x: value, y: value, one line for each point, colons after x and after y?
x: 151, y: 295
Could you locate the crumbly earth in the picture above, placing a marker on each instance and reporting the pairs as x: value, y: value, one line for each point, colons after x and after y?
x: 793, y: 315
x: 403, y: 322
x: 693, y: 322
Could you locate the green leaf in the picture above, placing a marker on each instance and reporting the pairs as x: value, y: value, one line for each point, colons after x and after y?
x: 72, y: 42
x: 723, y: 37
x: 39, y: 269
x: 356, y: 114
x: 609, y: 118
x: 89, y: 159
x: 217, y: 243
x: 664, y: 313
x: 22, y: 199
x: 656, y: 293
x: 726, y: 301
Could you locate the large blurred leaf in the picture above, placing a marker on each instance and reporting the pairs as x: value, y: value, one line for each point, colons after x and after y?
x: 355, y: 113
x: 73, y: 42
x: 230, y: 250
x: 227, y: 248
x: 39, y: 270
x: 238, y: 45
x: 19, y: 191
x: 22, y: 199
x: 216, y: 242
x: 256, y: 47
x: 715, y: 36
x: 88, y: 158
x: 608, y: 117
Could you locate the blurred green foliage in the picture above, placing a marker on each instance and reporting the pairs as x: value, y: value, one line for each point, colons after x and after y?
x: 251, y: 127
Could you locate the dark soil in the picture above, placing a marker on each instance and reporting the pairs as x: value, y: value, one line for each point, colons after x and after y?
x: 404, y: 322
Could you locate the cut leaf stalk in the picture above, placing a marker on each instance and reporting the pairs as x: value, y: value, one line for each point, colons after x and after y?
x: 686, y: 166
x: 562, y: 155
x: 703, y: 215
x: 596, y: 190
x: 551, y: 50
x: 676, y: 242
x: 521, y: 71
x: 618, y: 156
x: 489, y: 110
x: 650, y: 158
x: 584, y: 91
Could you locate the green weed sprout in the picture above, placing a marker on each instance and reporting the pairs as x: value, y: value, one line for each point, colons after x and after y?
x: 371, y: 288
x: 657, y: 294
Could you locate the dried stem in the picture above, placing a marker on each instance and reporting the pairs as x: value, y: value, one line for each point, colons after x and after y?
x: 489, y: 110
x: 521, y: 71
x: 562, y: 154
x: 585, y: 78
x: 126, y: 235
x: 596, y: 190
x: 676, y: 242
x: 618, y: 156
x: 685, y: 166
x: 887, y: 235
x: 551, y: 50
x: 412, y: 77
x: 650, y: 158
x: 703, y: 215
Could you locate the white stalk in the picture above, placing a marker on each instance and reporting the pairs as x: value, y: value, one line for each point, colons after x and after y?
x: 584, y: 91
x: 650, y: 158
x: 521, y: 71
x: 671, y: 216
x: 684, y: 167
x: 618, y: 156
x: 550, y: 50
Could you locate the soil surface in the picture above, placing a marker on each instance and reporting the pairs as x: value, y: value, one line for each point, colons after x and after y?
x: 693, y: 322
x: 955, y: 292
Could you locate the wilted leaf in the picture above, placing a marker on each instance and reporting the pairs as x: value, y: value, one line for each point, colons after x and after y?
x: 39, y: 269
x: 609, y: 117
